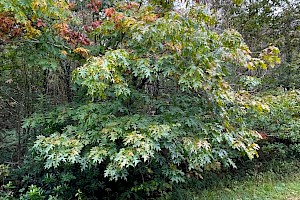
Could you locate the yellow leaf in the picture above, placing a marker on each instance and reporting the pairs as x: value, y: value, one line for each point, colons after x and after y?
x: 82, y: 51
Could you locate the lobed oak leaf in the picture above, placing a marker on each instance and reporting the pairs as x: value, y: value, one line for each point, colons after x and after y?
x: 40, y: 23
x: 71, y: 5
x: 96, y: 24
x: 150, y: 18
x: 132, y: 4
x: 82, y: 51
x: 9, y: 81
x: 63, y: 52
x: 109, y: 12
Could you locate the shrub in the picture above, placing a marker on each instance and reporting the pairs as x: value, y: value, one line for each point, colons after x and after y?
x: 161, y: 109
x: 281, y: 123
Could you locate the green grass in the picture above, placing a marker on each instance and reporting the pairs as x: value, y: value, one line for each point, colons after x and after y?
x: 274, y: 180
x: 263, y: 186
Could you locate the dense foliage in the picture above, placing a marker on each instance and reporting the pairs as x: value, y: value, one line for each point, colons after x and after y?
x: 125, y: 100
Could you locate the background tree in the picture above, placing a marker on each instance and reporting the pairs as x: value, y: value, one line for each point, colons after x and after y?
x: 263, y: 22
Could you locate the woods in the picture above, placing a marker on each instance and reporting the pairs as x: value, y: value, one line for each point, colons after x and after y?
x: 136, y: 99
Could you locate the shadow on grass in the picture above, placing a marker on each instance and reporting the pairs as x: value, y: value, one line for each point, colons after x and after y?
x: 257, y: 179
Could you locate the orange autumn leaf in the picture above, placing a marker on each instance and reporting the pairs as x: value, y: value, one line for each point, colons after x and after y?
x: 109, y: 12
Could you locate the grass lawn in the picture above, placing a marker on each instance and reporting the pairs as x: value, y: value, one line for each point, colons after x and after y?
x: 278, y: 180
x: 263, y: 186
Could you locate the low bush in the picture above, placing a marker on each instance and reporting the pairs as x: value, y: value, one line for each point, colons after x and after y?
x: 281, y: 125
